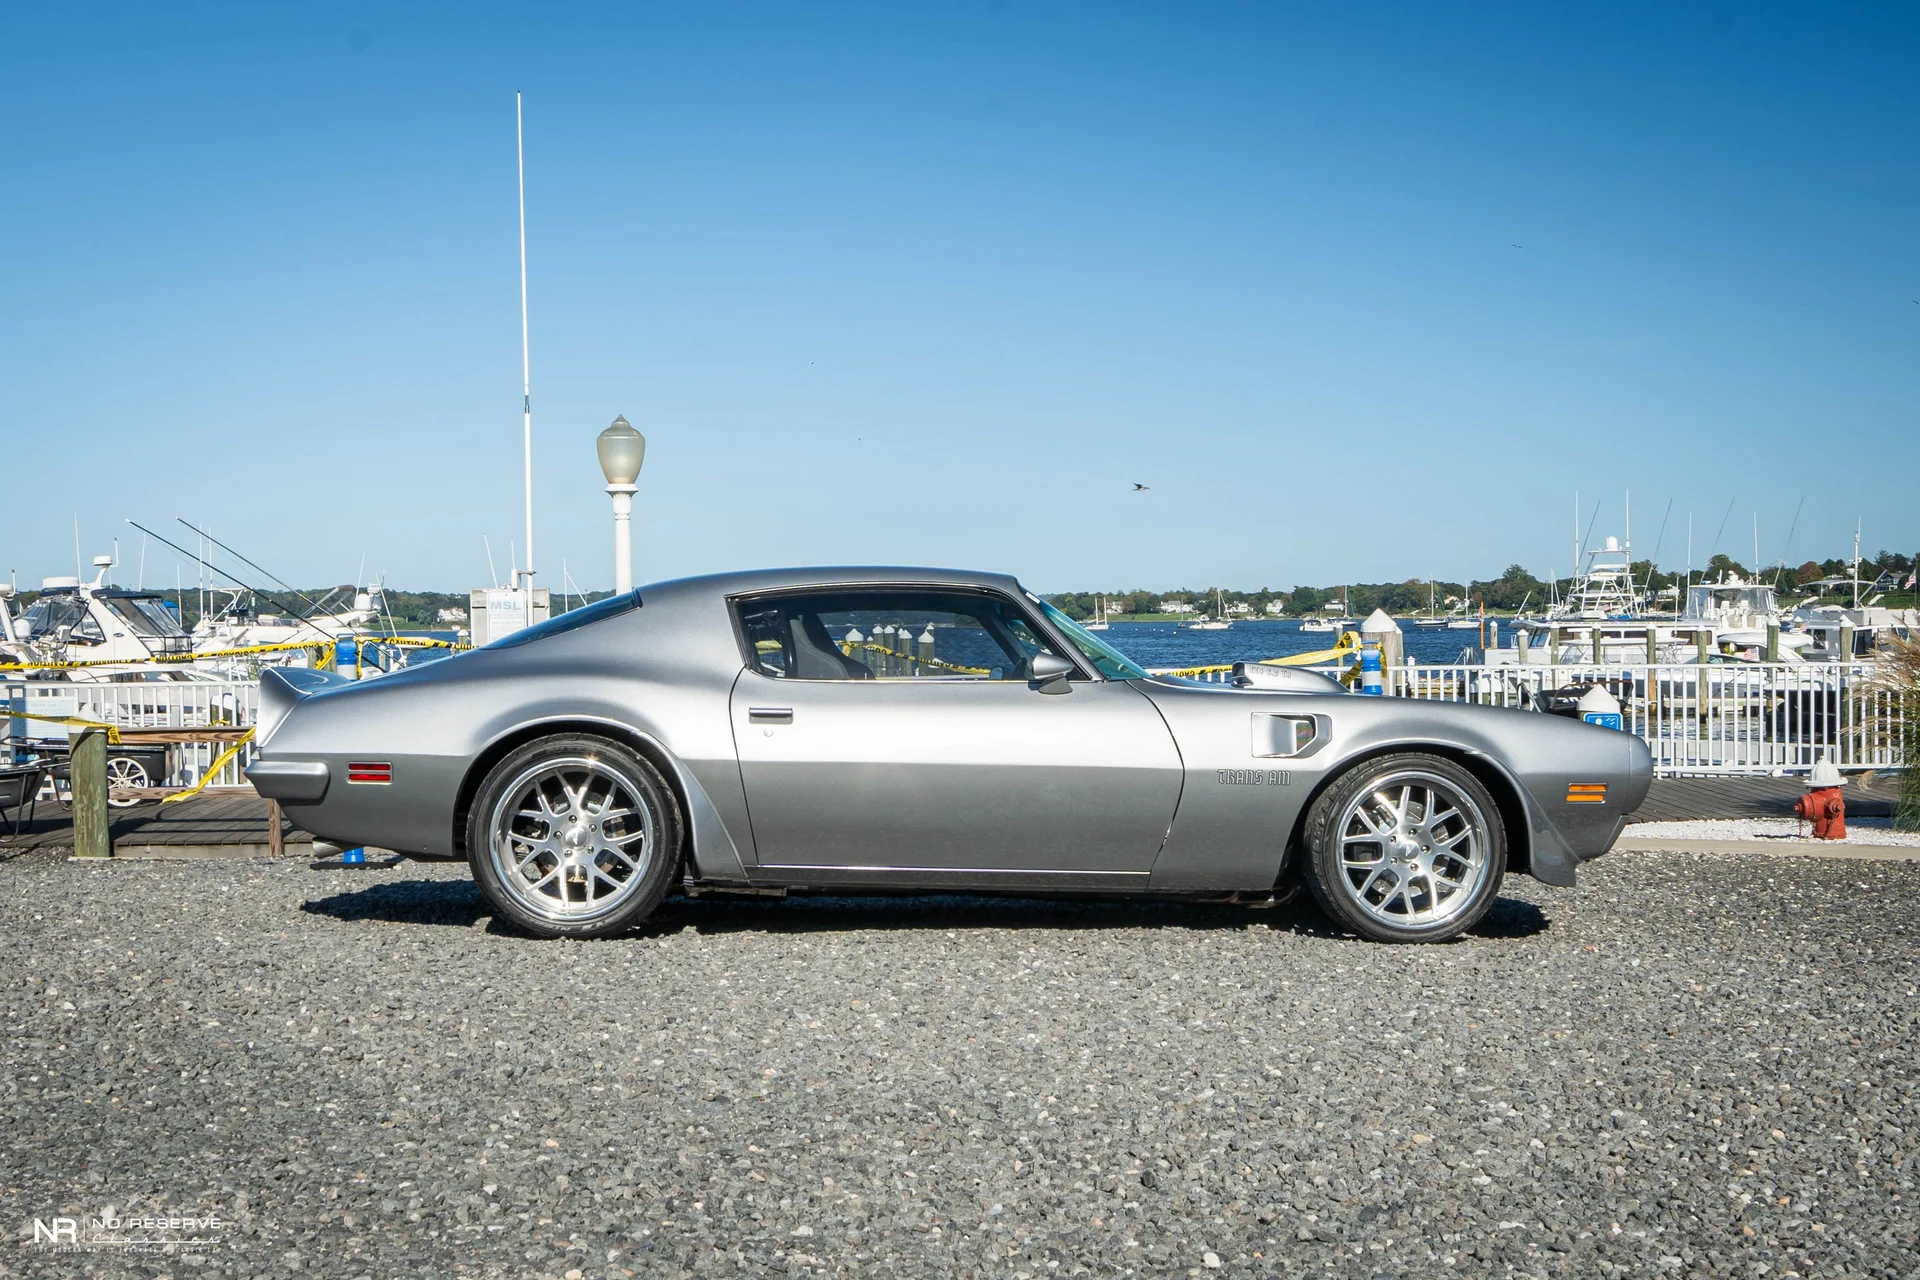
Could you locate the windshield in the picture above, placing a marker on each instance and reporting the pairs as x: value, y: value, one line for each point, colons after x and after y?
x: 146, y: 615
x: 49, y: 613
x: 1111, y: 663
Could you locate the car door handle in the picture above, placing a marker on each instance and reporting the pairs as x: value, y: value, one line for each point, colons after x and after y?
x: 769, y: 715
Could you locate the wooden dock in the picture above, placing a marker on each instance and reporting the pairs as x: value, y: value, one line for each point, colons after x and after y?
x: 220, y: 826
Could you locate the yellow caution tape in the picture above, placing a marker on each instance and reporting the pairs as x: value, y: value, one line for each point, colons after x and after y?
x: 1347, y: 645
x: 925, y: 662
x: 113, y: 731
x: 170, y: 659
x: 325, y: 648
x: 219, y: 763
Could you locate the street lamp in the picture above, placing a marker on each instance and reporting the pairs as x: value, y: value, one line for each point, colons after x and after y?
x: 622, y: 450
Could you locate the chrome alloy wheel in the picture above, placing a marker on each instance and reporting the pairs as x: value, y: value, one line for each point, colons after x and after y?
x: 570, y: 838
x: 1413, y: 849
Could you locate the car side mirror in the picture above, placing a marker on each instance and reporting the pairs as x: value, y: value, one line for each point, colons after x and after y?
x: 1048, y: 673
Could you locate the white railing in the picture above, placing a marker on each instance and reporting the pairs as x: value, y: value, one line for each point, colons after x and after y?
x: 1751, y: 718
x: 148, y: 705
x: 1733, y: 718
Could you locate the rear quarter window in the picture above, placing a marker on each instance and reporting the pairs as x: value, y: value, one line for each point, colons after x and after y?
x: 572, y: 620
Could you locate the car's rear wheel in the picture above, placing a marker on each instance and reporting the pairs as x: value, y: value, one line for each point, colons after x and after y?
x: 574, y: 836
x: 1406, y: 848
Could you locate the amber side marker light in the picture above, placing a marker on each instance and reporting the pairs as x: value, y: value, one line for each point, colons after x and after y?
x: 1586, y: 793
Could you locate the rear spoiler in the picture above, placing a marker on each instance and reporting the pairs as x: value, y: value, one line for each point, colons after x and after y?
x: 283, y: 688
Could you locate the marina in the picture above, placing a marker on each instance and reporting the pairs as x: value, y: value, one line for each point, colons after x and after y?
x: 1733, y: 718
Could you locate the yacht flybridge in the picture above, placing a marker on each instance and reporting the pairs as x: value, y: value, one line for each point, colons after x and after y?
x: 1606, y: 591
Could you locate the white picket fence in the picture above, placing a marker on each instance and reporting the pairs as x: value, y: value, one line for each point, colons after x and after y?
x: 1733, y: 718
x: 146, y: 705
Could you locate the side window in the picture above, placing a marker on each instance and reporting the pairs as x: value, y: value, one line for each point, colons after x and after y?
x: 890, y: 635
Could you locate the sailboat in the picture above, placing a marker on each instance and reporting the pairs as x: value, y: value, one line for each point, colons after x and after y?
x: 1432, y: 621
x: 1218, y: 622
x: 1099, y: 622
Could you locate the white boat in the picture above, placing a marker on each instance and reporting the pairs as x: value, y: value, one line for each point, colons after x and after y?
x: 1218, y: 621
x: 1099, y: 622
x: 1319, y: 626
x: 240, y: 623
x: 108, y: 634
x: 1432, y: 621
x: 1606, y: 591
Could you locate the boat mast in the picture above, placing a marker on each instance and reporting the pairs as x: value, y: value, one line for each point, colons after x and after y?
x: 1576, y: 535
x: 526, y: 371
x: 1856, y: 563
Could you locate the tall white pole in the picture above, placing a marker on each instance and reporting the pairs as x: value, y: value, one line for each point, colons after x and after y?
x: 622, y: 495
x: 526, y: 368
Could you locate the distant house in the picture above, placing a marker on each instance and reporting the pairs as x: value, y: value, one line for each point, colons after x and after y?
x: 1239, y: 609
x: 1276, y: 607
x: 1175, y: 606
x: 455, y: 614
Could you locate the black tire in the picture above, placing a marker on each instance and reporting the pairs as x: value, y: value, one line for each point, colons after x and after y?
x: 553, y: 864
x: 1430, y: 881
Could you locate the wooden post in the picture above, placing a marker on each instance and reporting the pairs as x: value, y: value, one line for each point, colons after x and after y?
x: 87, y: 775
x: 1846, y: 643
x: 274, y: 845
x: 1773, y: 642
x: 1702, y: 643
x: 1653, y: 644
x: 1520, y: 639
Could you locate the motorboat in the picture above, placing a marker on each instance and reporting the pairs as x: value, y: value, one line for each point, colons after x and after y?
x: 90, y: 632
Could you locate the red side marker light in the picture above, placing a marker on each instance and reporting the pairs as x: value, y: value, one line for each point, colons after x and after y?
x: 378, y: 772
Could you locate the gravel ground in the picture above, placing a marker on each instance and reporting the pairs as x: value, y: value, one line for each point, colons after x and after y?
x: 1859, y: 831
x: 1690, y: 1065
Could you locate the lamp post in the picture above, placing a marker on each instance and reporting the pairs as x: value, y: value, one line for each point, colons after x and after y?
x: 622, y: 450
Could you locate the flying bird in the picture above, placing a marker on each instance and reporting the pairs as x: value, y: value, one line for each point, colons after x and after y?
x: 1139, y: 488
x: 1517, y: 246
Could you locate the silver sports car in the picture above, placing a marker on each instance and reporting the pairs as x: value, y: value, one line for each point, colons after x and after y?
x: 923, y: 729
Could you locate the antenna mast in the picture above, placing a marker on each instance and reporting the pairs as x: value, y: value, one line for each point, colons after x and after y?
x: 526, y: 369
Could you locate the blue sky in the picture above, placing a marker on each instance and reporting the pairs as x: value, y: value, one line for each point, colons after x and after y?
x: 938, y: 283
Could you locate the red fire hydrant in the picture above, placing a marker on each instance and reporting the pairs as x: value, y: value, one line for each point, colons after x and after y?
x: 1823, y: 805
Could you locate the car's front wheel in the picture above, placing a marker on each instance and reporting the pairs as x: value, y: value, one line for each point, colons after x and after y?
x: 1406, y: 848
x: 573, y: 836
